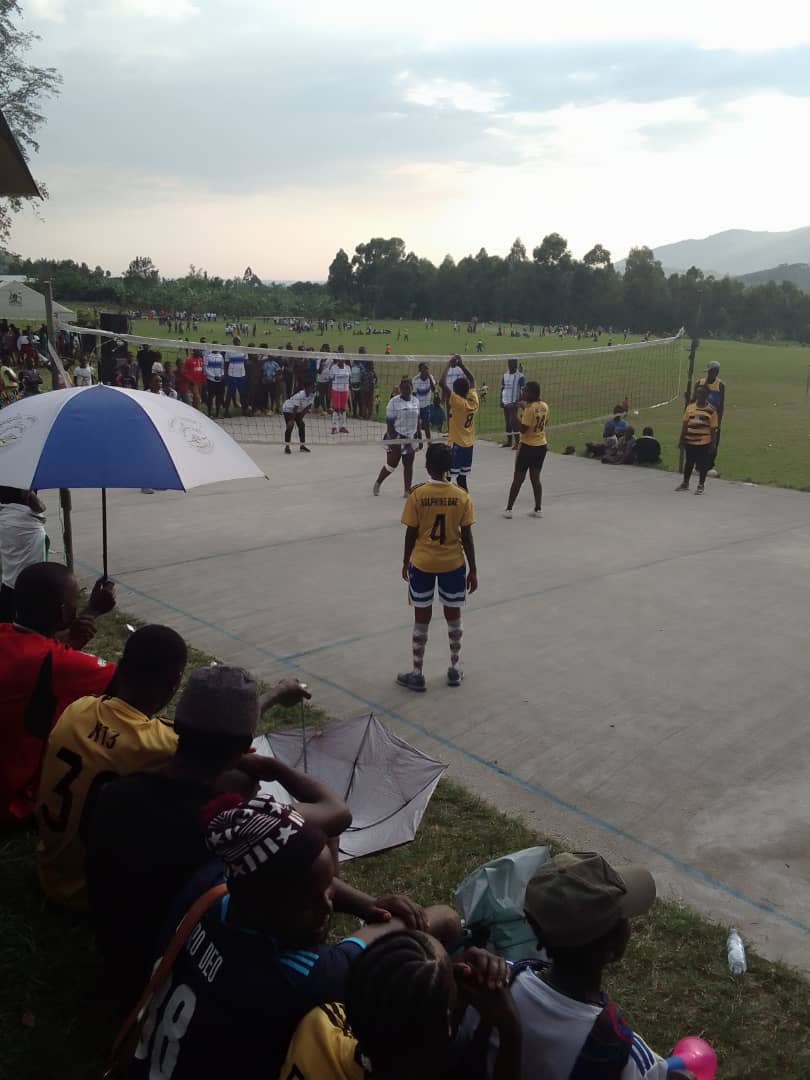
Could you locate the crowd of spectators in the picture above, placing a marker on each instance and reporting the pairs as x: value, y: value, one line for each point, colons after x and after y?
x: 211, y: 902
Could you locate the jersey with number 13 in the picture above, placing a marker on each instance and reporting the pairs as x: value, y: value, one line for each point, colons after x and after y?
x: 438, y: 510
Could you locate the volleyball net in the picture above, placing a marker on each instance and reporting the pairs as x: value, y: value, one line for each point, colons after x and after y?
x: 579, y: 384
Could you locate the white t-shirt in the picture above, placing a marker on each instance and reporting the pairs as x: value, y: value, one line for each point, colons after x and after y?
x: 22, y: 540
x: 405, y: 415
x: 512, y: 387
x: 454, y: 373
x: 83, y: 375
x: 340, y: 376
x: 423, y: 388
x: 236, y: 365
x: 298, y: 402
x: 555, y: 1028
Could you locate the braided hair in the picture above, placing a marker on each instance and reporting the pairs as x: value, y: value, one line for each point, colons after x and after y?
x: 398, y: 999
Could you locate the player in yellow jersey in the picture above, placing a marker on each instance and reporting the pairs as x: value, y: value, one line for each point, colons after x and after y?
x: 439, y: 519
x: 698, y: 438
x: 533, y: 448
x: 462, y: 405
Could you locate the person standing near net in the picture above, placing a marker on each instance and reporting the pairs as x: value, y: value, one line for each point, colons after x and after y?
x: 295, y: 409
x: 340, y: 375
x: 453, y: 371
x: 236, y: 378
x: 402, y: 420
x: 439, y: 518
x: 424, y: 386
x: 698, y: 439
x: 462, y: 405
x: 214, y: 370
x: 716, y: 389
x: 533, y: 449
x: 512, y: 383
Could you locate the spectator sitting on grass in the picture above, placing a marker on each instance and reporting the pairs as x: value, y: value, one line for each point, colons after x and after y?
x: 648, y: 448
x: 257, y: 962
x: 41, y: 672
x: 624, y: 451
x: 580, y: 908
x: 398, y: 1020
x: 608, y: 445
x: 23, y: 541
x: 616, y: 424
x: 96, y: 739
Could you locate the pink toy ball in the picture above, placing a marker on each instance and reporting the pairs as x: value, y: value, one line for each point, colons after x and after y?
x: 695, y: 1055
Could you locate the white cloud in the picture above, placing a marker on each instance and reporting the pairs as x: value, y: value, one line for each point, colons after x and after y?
x: 444, y: 93
x: 48, y: 10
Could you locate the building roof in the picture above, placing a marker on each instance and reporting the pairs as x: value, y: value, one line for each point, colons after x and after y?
x: 15, y: 176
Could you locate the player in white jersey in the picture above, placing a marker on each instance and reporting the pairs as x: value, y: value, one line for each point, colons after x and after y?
x: 402, y: 421
x: 512, y: 383
x: 340, y: 374
x: 424, y: 387
x: 454, y: 370
x: 295, y: 409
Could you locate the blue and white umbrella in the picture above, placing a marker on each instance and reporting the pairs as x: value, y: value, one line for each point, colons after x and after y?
x: 106, y: 436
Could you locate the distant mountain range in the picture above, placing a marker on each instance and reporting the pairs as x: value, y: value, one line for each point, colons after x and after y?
x: 797, y: 273
x: 738, y: 252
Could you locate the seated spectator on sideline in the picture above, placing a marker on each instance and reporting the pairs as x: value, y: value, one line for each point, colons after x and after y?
x: 624, y: 451
x: 616, y: 424
x: 580, y: 908
x: 608, y: 445
x: 41, y: 672
x: 648, y: 448
x: 257, y: 961
x: 22, y: 541
x: 398, y: 1021
x: 144, y: 840
x: 96, y: 739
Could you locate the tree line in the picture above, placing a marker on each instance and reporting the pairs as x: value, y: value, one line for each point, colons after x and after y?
x: 382, y: 280
x: 551, y: 287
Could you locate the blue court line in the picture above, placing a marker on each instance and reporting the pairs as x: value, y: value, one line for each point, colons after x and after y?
x: 527, y: 785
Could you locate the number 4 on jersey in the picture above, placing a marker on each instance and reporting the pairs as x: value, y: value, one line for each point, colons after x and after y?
x: 439, y: 530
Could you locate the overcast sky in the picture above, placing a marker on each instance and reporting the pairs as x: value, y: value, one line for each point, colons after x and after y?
x: 234, y: 132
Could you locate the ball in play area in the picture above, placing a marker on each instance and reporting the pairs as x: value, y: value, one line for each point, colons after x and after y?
x: 712, y: 472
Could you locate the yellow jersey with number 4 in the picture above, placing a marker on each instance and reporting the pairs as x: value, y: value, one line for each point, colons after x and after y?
x: 461, y: 425
x: 94, y: 740
x: 438, y: 510
x: 535, y: 418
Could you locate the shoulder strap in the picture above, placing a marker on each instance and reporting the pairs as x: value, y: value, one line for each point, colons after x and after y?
x: 179, y: 939
x: 606, y: 1051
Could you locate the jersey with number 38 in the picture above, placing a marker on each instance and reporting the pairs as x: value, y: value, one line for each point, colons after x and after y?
x: 438, y: 510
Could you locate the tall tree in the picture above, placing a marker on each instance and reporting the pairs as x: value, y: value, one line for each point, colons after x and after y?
x: 340, y: 281
x: 23, y: 90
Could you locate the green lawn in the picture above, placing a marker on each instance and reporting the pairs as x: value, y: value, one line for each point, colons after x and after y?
x: 766, y: 429
x: 55, y: 1019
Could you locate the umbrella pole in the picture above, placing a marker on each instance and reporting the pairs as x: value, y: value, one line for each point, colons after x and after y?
x: 104, y: 530
x: 67, y: 526
x: 304, y: 734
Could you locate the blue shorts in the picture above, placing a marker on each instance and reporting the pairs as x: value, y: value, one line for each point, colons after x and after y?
x: 462, y: 460
x: 424, y: 413
x: 452, y: 586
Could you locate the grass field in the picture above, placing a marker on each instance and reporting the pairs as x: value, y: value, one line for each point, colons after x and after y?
x: 56, y: 1021
x: 766, y: 429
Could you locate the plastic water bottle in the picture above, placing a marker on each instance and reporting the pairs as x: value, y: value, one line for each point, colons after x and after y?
x: 736, y: 953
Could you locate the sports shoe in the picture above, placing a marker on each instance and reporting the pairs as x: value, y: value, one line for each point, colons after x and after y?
x: 304, y: 449
x: 454, y: 676
x: 682, y: 487
x: 506, y: 445
x: 411, y: 681
x: 287, y: 449
x: 334, y: 431
x: 344, y: 431
x: 536, y: 513
x: 376, y: 489
x: 507, y: 513
x: 699, y: 489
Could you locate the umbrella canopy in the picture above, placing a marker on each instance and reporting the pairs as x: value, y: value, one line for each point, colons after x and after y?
x: 386, y: 782
x: 106, y: 436
x: 21, y: 304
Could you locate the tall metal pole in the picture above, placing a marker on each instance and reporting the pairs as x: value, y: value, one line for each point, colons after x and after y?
x: 64, y: 494
x: 693, y: 348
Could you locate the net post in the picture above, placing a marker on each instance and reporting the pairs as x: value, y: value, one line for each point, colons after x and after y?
x: 693, y: 348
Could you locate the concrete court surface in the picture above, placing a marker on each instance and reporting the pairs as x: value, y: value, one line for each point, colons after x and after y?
x: 637, y: 667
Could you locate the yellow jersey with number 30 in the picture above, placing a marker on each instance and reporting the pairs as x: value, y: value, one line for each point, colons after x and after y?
x: 438, y: 510
x: 535, y: 418
x: 461, y: 425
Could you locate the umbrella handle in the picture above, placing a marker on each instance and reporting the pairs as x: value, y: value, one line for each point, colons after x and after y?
x: 104, y: 530
x: 304, y: 734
